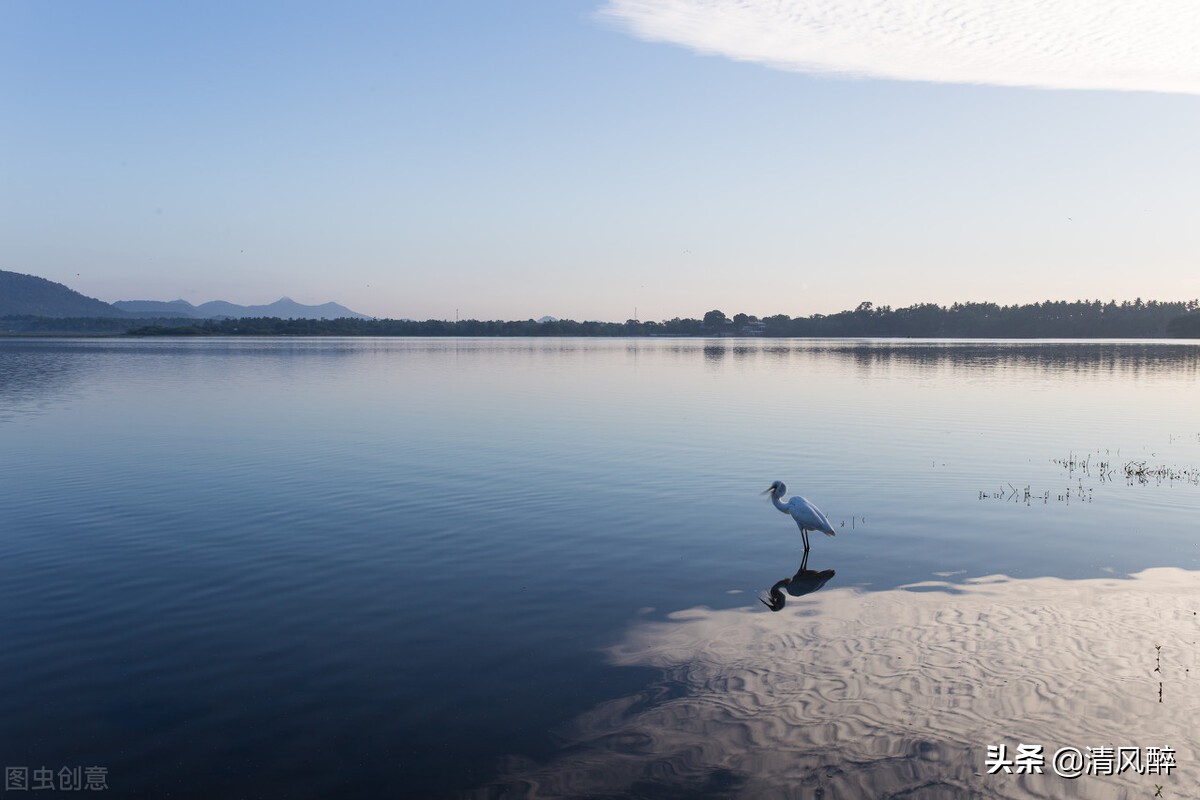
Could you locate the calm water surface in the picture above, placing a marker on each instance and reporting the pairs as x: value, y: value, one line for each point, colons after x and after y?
x: 532, y: 568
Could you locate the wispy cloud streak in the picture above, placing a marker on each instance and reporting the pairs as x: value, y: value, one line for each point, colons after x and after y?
x: 1073, y: 44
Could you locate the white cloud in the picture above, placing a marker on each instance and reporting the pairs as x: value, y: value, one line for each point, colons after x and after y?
x: 1067, y: 44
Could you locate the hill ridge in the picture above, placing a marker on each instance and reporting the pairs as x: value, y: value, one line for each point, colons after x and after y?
x: 30, y: 295
x: 23, y: 295
x: 283, y: 308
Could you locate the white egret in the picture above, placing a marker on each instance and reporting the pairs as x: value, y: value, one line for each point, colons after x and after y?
x: 808, y: 517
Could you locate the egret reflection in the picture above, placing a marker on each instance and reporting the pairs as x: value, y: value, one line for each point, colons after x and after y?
x: 805, y: 581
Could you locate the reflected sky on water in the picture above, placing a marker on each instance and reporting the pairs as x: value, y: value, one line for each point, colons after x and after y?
x: 899, y: 694
x: 370, y: 566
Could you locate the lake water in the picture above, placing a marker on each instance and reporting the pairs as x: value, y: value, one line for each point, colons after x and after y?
x: 533, y: 568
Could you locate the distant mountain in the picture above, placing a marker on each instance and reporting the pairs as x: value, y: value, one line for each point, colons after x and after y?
x: 157, y: 308
x: 283, y: 308
x: 30, y: 295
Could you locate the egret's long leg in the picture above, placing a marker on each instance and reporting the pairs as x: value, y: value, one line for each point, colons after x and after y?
x: 804, y: 534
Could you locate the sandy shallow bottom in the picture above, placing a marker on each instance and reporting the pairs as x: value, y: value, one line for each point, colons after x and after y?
x: 899, y: 694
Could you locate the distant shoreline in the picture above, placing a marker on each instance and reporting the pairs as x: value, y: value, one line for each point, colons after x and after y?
x: 1080, y: 319
x: 918, y: 339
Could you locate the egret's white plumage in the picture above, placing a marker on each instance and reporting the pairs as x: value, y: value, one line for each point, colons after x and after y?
x: 808, y: 517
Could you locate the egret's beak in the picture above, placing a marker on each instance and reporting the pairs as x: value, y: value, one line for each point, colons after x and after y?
x: 768, y: 490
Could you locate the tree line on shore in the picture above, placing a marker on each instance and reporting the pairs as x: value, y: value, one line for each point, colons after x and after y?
x: 1051, y: 319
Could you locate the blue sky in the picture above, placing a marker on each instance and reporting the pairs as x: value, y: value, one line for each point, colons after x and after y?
x: 581, y: 159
